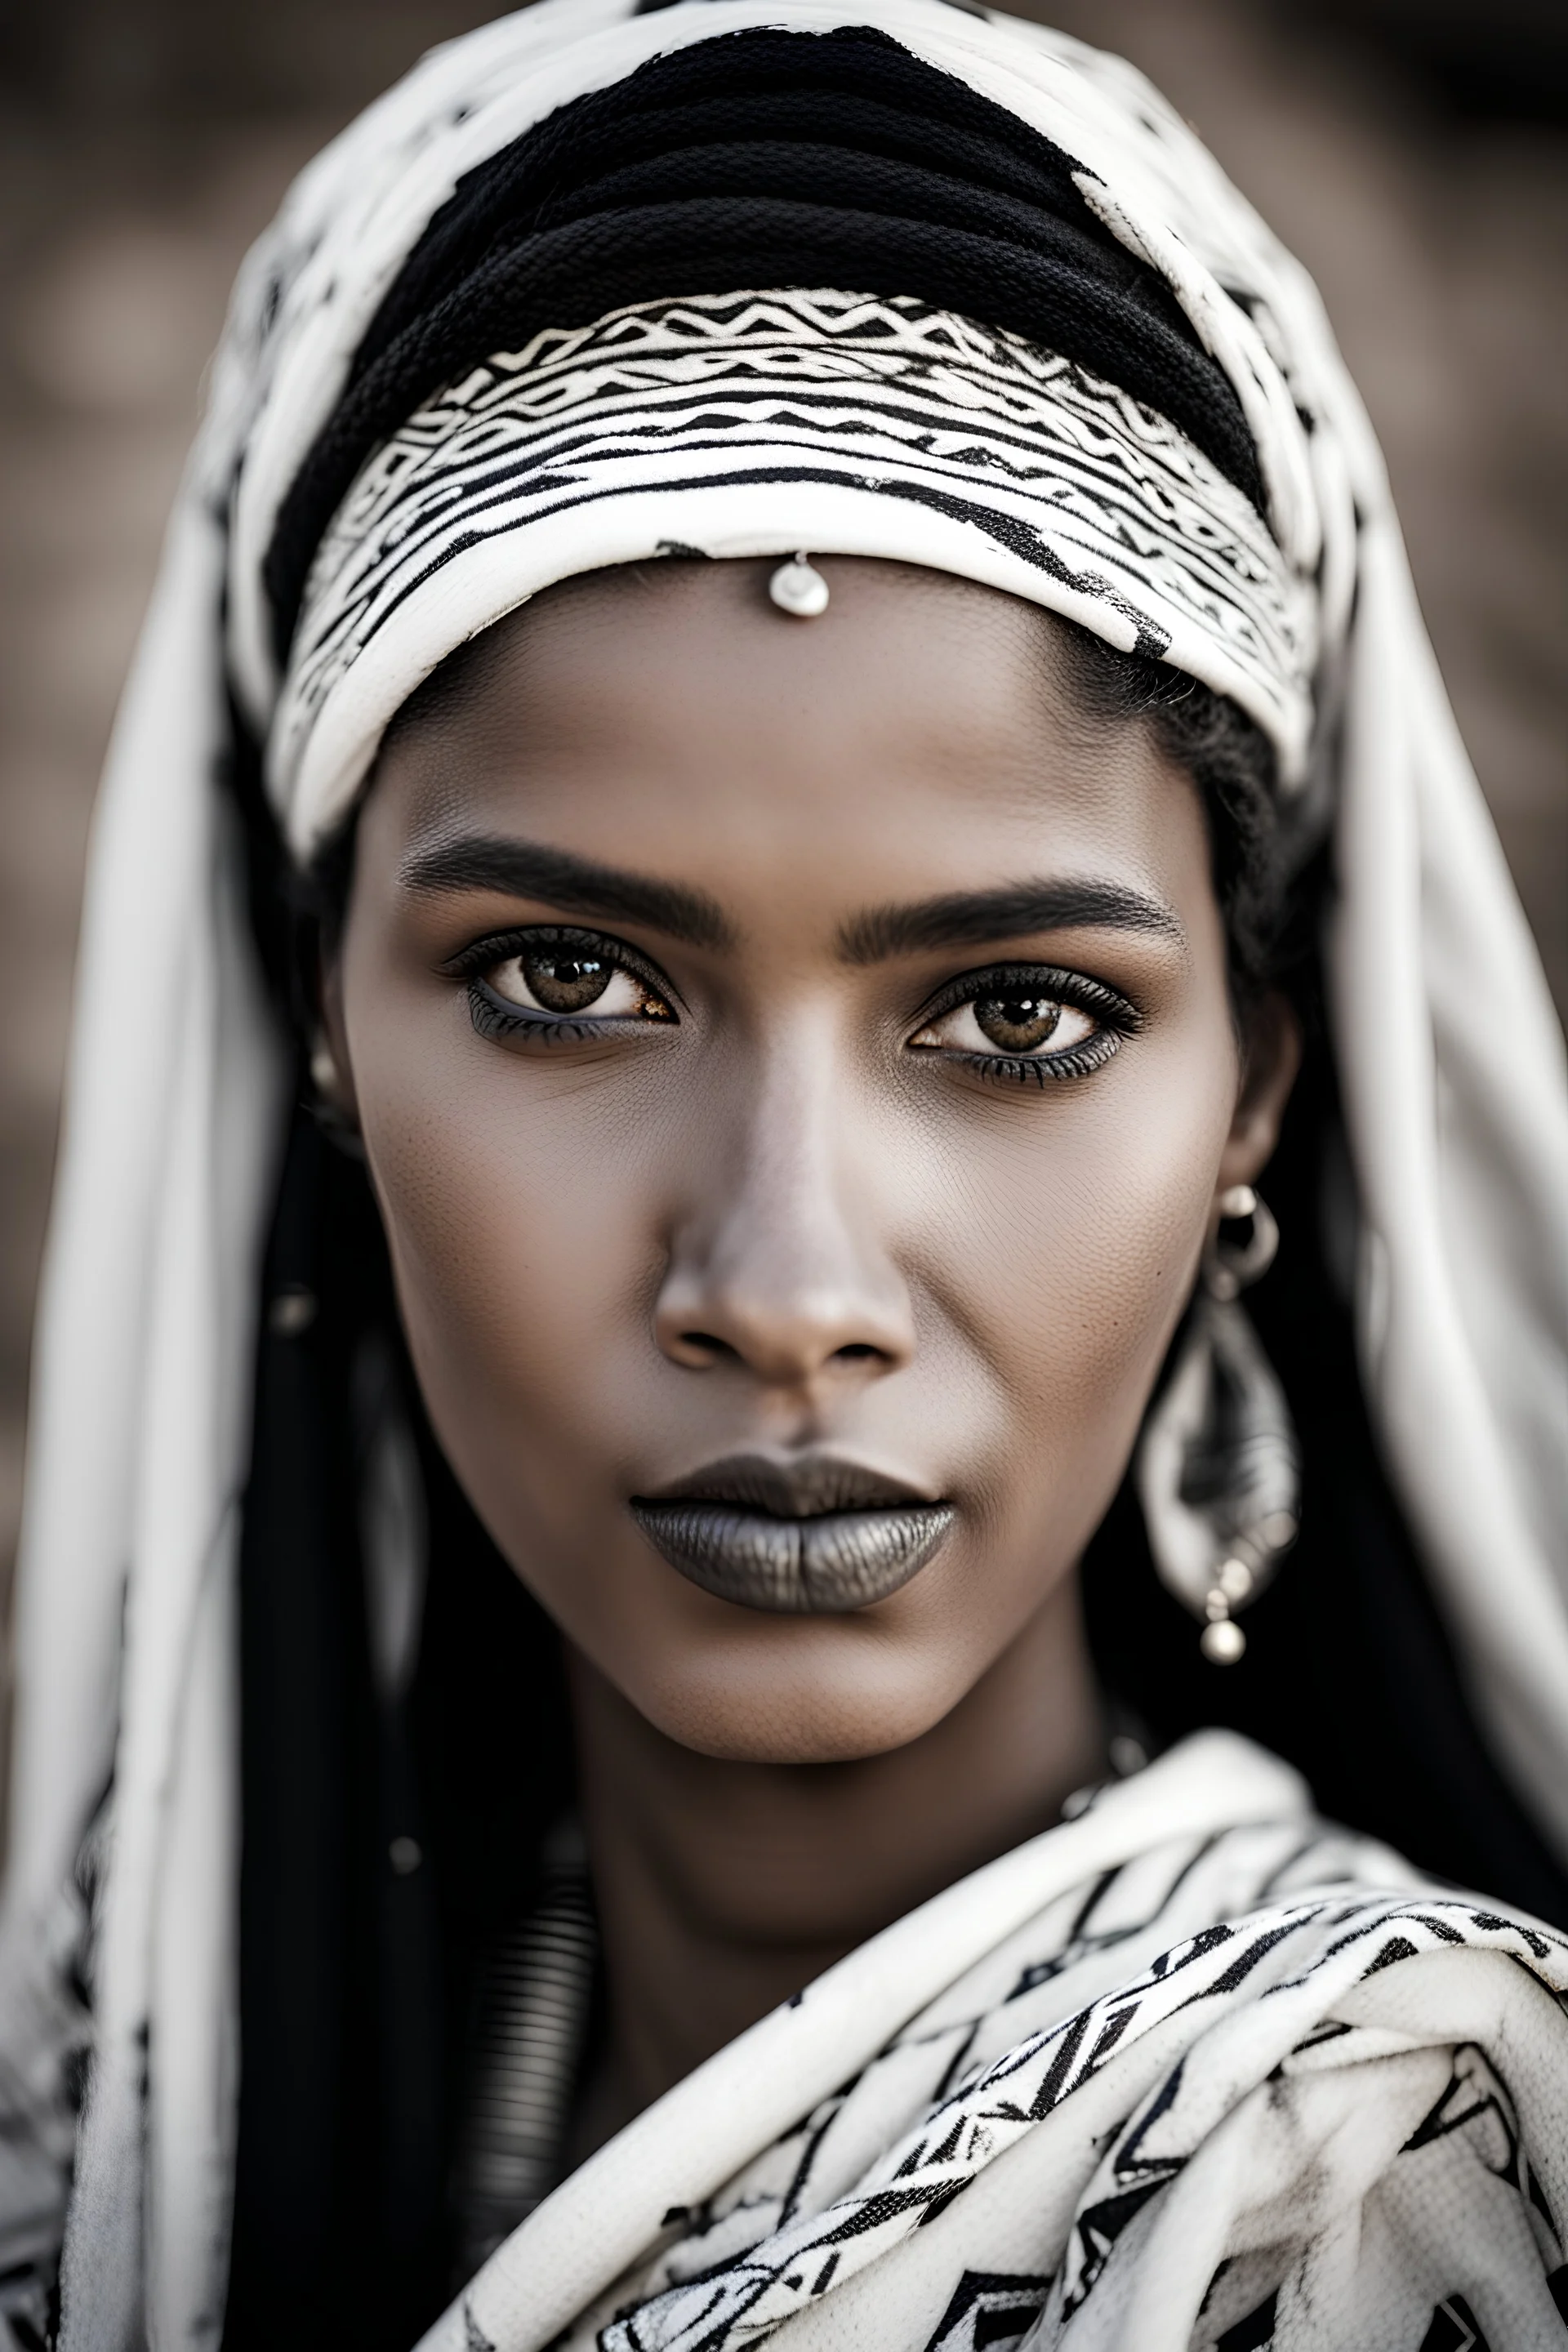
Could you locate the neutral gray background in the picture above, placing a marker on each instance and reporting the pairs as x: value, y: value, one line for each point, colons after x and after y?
x: 1413, y: 152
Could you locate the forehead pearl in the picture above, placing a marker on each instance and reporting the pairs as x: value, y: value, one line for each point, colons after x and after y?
x: 798, y: 587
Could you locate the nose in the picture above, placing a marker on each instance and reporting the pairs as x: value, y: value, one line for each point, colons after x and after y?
x: 775, y: 1260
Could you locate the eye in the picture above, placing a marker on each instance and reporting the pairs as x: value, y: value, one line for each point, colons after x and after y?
x: 565, y: 979
x: 1017, y: 1024
x: 1028, y: 1024
x: 556, y: 985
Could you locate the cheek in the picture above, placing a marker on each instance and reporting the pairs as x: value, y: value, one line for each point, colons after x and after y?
x: 517, y: 1213
x: 1066, y: 1255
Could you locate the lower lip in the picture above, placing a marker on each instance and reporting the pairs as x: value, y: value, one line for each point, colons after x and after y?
x: 820, y: 1567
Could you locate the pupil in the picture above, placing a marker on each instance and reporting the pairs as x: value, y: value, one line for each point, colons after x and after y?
x: 1017, y: 1024
x: 565, y: 984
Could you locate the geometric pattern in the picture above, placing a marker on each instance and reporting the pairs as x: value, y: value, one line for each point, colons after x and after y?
x: 1321, y: 1975
x: 685, y: 416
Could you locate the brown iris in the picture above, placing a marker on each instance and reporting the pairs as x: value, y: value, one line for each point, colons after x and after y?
x: 565, y: 981
x: 1017, y: 1024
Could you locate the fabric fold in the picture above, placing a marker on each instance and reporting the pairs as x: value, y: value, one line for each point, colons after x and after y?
x: 1103, y: 2099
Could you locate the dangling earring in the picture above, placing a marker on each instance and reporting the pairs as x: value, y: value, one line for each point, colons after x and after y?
x: 324, y: 1071
x: 1218, y: 1468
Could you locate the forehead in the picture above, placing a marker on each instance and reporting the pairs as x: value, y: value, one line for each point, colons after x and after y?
x: 670, y: 716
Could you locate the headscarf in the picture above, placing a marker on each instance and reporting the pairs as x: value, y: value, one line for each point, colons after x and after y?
x: 303, y: 587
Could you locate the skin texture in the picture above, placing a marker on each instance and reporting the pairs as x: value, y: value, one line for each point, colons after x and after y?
x: 770, y: 1220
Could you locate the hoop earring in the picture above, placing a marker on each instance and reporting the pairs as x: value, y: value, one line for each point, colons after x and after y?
x: 1218, y: 1468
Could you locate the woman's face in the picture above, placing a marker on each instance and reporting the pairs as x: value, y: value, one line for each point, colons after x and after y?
x: 795, y: 1068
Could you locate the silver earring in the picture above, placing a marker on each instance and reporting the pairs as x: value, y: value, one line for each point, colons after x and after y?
x: 798, y: 587
x: 1218, y: 1468
x: 324, y: 1071
x: 329, y: 1104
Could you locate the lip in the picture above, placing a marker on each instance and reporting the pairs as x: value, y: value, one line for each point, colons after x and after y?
x: 818, y: 1536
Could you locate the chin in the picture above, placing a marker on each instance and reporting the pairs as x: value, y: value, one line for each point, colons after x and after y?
x: 814, y: 1691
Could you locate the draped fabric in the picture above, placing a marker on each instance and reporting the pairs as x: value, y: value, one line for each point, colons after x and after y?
x: 426, y: 225
x: 1193, y: 2069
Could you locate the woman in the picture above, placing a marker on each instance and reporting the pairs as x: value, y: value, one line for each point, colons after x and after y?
x: 783, y: 759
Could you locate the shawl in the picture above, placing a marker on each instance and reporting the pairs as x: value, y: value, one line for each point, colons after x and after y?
x: 126, y: 1635
x: 1192, y: 2069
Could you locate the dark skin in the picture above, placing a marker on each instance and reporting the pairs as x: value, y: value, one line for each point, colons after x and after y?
x: 779, y: 1186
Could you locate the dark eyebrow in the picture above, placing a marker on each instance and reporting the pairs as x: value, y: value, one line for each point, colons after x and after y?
x: 528, y: 869
x: 972, y: 918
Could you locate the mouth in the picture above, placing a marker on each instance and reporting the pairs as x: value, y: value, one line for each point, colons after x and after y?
x: 814, y: 1537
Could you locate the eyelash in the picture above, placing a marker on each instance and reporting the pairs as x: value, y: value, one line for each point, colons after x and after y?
x: 494, y: 1018
x: 1117, y: 1019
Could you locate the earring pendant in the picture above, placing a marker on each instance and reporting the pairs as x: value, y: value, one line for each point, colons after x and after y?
x: 1218, y: 1468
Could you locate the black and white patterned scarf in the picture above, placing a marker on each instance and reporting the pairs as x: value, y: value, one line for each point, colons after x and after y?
x: 1192, y: 2070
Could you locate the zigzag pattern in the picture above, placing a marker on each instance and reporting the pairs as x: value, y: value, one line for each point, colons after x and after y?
x: 1065, y: 476
x: 776, y: 2244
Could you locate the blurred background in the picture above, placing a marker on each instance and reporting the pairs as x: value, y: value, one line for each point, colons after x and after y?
x: 1414, y: 154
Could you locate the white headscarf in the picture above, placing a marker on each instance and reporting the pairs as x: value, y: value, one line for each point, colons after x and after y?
x: 1449, y: 1064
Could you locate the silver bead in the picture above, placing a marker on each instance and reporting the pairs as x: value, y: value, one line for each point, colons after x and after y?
x: 1223, y: 1642
x: 324, y: 1069
x: 798, y: 587
x: 292, y: 1312
x: 1235, y: 1580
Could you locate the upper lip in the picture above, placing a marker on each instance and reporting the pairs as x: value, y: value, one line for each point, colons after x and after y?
x: 803, y: 1487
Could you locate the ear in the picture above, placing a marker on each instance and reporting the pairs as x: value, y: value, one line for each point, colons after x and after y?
x: 331, y: 1071
x: 1271, y: 1055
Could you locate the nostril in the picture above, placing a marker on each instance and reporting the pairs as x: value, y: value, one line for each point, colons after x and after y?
x: 855, y: 1352
x: 706, y: 1342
